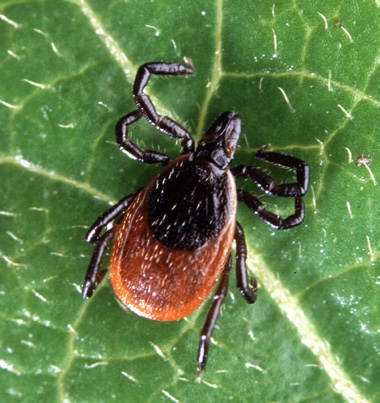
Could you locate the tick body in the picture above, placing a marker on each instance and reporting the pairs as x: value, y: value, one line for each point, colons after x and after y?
x: 174, y: 240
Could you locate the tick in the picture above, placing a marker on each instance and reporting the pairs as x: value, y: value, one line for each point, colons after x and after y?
x: 173, y: 241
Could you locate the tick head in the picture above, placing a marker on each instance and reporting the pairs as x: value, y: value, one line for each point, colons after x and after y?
x: 219, y: 143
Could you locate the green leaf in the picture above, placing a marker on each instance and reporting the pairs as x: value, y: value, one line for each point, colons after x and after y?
x: 304, y: 78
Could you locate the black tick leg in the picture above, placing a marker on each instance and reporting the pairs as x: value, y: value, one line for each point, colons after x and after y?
x: 267, y: 184
x: 273, y: 220
x: 212, y: 317
x: 147, y: 109
x: 93, y: 276
x: 130, y: 148
x: 112, y: 213
x: 247, y: 290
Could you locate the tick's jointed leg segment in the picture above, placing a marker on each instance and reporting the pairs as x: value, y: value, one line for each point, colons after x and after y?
x: 267, y: 184
x: 287, y: 161
x: 158, y: 68
x: 272, y: 219
x: 269, y: 187
x: 247, y: 290
x: 130, y: 148
x: 162, y: 123
x: 93, y: 276
x: 120, y: 207
x: 212, y: 317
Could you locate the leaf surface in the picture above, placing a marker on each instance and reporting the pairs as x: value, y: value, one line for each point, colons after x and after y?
x: 304, y: 78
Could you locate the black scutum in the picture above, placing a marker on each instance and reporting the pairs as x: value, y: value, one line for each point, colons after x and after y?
x: 189, y: 204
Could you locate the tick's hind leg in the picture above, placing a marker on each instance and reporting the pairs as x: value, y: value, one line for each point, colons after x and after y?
x: 247, y: 289
x: 212, y: 317
x: 93, y: 275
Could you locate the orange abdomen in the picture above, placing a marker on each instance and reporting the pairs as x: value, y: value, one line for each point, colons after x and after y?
x: 160, y: 282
